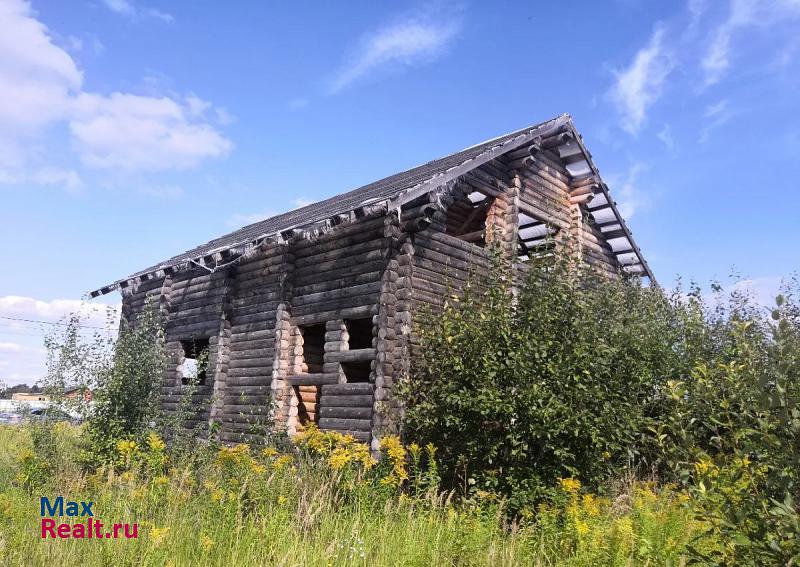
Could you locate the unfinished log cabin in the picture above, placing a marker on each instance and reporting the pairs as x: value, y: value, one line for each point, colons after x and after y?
x: 306, y: 317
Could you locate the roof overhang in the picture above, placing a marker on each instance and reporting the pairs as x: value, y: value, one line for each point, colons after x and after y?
x: 558, y: 134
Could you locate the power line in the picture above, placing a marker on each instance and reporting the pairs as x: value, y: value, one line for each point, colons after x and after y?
x: 51, y: 323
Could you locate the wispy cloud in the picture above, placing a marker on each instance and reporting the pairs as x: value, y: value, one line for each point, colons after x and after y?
x: 742, y: 14
x: 715, y: 115
x: 665, y: 135
x: 716, y: 60
x: 625, y: 188
x: 697, y: 9
x: 131, y: 10
x: 413, y: 39
x: 640, y: 85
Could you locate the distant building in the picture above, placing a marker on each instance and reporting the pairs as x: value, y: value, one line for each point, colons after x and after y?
x: 72, y: 393
x: 30, y: 397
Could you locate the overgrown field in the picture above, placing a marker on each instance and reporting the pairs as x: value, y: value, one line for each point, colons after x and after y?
x: 324, y: 502
x: 570, y: 420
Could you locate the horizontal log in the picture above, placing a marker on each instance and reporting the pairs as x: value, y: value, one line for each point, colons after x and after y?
x: 349, y: 291
x: 346, y: 413
x: 345, y: 313
x: 345, y: 424
x: 346, y: 249
x: 361, y: 354
x: 337, y: 283
x: 350, y: 388
x: 338, y: 263
x: 374, y: 222
x: 335, y: 305
x: 346, y: 401
x: 312, y: 379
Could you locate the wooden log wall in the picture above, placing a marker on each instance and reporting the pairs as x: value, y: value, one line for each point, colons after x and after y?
x: 254, y: 316
x: 272, y: 366
x: 347, y: 408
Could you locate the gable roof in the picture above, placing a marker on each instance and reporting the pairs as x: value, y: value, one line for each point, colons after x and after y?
x: 395, y: 189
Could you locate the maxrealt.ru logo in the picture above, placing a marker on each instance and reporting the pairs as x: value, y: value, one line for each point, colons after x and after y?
x: 92, y: 528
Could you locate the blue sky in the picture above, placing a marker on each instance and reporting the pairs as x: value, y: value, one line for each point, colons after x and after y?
x: 133, y: 130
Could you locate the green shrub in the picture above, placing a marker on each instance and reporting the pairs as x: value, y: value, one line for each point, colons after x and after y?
x: 576, y: 375
x: 557, y: 380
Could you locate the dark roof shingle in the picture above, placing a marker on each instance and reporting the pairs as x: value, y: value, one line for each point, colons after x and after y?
x: 386, y: 188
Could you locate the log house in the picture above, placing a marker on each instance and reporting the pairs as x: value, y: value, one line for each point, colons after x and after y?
x: 306, y: 317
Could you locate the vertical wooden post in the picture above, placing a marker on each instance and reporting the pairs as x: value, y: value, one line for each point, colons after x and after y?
x: 282, y: 395
x: 219, y: 372
x: 385, y: 365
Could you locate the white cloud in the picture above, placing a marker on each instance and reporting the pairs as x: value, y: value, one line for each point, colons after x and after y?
x: 131, y: 10
x: 125, y: 131
x: 48, y: 176
x: 21, y: 307
x: 639, y: 85
x: 413, y: 40
x: 625, y: 190
x: 23, y: 326
x: 41, y: 87
x: 301, y: 202
x: 37, y: 80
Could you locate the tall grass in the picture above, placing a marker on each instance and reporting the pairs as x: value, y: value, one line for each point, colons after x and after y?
x: 322, y: 503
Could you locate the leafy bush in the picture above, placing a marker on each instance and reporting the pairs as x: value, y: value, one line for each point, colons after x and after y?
x: 557, y: 380
x: 124, y: 377
x: 577, y: 376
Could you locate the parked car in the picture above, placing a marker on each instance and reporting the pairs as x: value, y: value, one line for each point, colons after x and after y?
x: 53, y: 414
x: 10, y: 418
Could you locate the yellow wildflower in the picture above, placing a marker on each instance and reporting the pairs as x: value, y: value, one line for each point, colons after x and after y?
x: 397, y: 456
x: 207, y: 543
x: 570, y: 485
x: 160, y: 481
x: 126, y: 448
x: 282, y: 499
x: 590, y: 505
x: 158, y: 535
x: 269, y: 452
x: 155, y: 442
